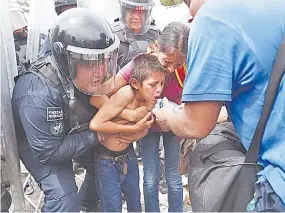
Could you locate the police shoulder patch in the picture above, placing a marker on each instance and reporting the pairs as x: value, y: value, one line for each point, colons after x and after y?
x: 54, y: 113
x: 56, y: 128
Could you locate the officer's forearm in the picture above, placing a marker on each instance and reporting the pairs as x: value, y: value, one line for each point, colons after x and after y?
x: 75, y: 145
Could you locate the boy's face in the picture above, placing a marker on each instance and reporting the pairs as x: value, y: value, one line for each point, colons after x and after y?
x: 151, y: 88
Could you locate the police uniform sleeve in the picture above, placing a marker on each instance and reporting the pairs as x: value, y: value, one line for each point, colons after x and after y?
x: 40, y: 112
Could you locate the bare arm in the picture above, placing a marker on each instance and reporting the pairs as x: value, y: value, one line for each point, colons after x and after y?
x: 102, y: 121
x: 127, y: 114
x: 194, y: 120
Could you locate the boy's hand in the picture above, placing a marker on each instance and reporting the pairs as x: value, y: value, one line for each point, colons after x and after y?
x: 138, y: 114
x: 145, y: 122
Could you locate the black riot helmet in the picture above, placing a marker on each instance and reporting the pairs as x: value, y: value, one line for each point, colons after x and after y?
x: 86, y: 50
x: 59, y: 4
x: 136, y: 16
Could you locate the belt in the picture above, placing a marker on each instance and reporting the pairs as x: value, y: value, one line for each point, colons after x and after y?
x: 119, y: 159
x: 102, y: 150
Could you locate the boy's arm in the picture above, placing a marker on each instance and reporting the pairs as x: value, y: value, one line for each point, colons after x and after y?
x: 127, y: 114
x: 98, y: 101
x: 111, y: 109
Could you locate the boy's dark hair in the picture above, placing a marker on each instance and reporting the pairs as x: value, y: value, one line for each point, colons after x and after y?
x: 143, y: 65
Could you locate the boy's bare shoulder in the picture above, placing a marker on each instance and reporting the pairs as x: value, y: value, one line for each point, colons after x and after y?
x: 126, y: 92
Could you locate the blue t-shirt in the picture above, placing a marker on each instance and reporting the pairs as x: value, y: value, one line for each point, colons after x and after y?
x: 232, y: 47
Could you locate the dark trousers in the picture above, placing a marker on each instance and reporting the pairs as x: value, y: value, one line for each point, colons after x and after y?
x: 265, y: 199
x: 58, y: 183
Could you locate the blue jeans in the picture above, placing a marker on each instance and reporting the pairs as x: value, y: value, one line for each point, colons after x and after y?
x: 150, y: 158
x: 111, y: 183
x: 265, y: 199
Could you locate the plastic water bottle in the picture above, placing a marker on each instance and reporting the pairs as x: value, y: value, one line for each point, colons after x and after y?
x: 159, y: 104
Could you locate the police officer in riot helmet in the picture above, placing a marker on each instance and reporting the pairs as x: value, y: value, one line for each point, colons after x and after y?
x: 136, y: 16
x: 52, y: 112
x: 63, y: 5
x: 135, y: 29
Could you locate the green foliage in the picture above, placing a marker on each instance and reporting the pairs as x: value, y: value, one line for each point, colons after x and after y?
x: 170, y: 2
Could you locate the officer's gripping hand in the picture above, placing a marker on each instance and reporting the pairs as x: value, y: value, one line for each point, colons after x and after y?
x: 145, y: 122
x: 138, y: 114
x: 131, y: 137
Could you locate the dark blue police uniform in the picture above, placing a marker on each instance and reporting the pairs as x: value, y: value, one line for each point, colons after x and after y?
x: 42, y: 118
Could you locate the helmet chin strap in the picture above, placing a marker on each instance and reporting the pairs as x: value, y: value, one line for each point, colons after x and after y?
x: 59, y: 57
x: 69, y: 90
x: 63, y: 69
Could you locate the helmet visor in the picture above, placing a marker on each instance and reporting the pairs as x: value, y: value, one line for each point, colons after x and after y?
x: 135, y: 18
x: 93, y: 73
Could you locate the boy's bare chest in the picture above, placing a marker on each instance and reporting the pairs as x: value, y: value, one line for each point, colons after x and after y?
x: 136, y: 104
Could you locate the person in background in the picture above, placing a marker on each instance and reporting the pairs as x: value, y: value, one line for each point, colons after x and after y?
x: 20, y: 33
x: 63, y: 5
x: 135, y: 29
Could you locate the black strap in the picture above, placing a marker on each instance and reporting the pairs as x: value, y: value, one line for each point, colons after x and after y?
x: 102, y: 150
x: 222, y: 146
x: 270, y: 96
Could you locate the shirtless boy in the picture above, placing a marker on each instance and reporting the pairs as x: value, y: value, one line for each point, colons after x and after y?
x: 117, y: 165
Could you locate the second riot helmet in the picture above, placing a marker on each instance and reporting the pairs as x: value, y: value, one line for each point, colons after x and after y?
x: 136, y: 16
x: 59, y: 4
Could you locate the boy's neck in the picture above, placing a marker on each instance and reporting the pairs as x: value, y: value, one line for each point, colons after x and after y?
x: 143, y: 102
x: 138, y: 96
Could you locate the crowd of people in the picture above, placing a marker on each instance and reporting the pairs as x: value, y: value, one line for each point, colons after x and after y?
x: 97, y: 88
